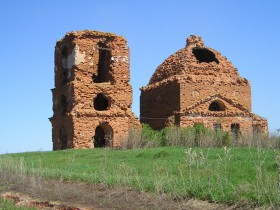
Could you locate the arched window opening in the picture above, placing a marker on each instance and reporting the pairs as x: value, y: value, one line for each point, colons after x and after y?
x: 63, y: 105
x: 204, y: 55
x: 101, y: 103
x: 103, y: 136
x: 216, y: 106
x: 103, y: 64
x: 62, y: 138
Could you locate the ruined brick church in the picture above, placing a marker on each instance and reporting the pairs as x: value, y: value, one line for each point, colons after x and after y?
x: 92, y: 97
x: 199, y: 85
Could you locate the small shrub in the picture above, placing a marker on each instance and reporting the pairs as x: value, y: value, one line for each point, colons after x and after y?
x: 148, y: 132
x: 9, y: 205
x: 203, y: 136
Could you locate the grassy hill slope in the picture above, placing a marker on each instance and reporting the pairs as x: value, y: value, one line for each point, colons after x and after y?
x: 215, y: 174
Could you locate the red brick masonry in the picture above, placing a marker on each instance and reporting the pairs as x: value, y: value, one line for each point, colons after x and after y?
x: 199, y: 85
x: 92, y: 96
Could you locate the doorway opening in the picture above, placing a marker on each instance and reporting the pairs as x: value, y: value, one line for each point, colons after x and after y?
x: 235, y: 130
x: 103, y: 136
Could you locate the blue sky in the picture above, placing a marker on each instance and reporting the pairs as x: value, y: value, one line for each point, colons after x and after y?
x: 246, y: 32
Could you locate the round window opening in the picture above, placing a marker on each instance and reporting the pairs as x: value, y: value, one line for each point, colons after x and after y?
x: 101, y: 103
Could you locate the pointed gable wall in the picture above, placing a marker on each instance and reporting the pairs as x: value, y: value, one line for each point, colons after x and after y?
x: 193, y: 90
x: 227, y: 107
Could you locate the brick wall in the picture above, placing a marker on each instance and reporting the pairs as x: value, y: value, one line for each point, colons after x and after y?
x: 204, y: 76
x: 92, y: 88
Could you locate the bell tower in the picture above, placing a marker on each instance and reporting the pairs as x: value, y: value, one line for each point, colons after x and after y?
x: 92, y: 96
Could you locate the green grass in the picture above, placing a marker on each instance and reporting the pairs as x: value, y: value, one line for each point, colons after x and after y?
x: 8, y: 205
x: 215, y: 174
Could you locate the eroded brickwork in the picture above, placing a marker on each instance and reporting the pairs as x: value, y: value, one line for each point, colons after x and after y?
x: 92, y: 96
x: 199, y: 85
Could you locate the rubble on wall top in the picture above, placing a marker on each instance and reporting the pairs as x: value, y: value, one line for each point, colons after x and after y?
x: 85, y: 33
x: 195, y: 41
x: 198, y: 60
x: 88, y: 32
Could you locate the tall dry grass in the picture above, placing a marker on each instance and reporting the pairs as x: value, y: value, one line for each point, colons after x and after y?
x: 197, y: 136
x: 210, y: 174
x: 197, y: 175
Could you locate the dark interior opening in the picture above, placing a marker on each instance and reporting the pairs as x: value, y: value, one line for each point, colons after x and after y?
x: 99, y: 138
x: 64, y: 52
x: 63, y: 105
x: 204, y: 55
x: 103, y: 136
x: 235, y: 130
x: 64, y: 76
x: 63, y: 138
x: 217, y: 127
x: 101, y: 103
x: 103, y: 64
x: 64, y: 72
x: 216, y: 106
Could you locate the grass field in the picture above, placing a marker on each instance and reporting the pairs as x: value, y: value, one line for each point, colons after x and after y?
x: 8, y: 205
x: 214, y: 174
